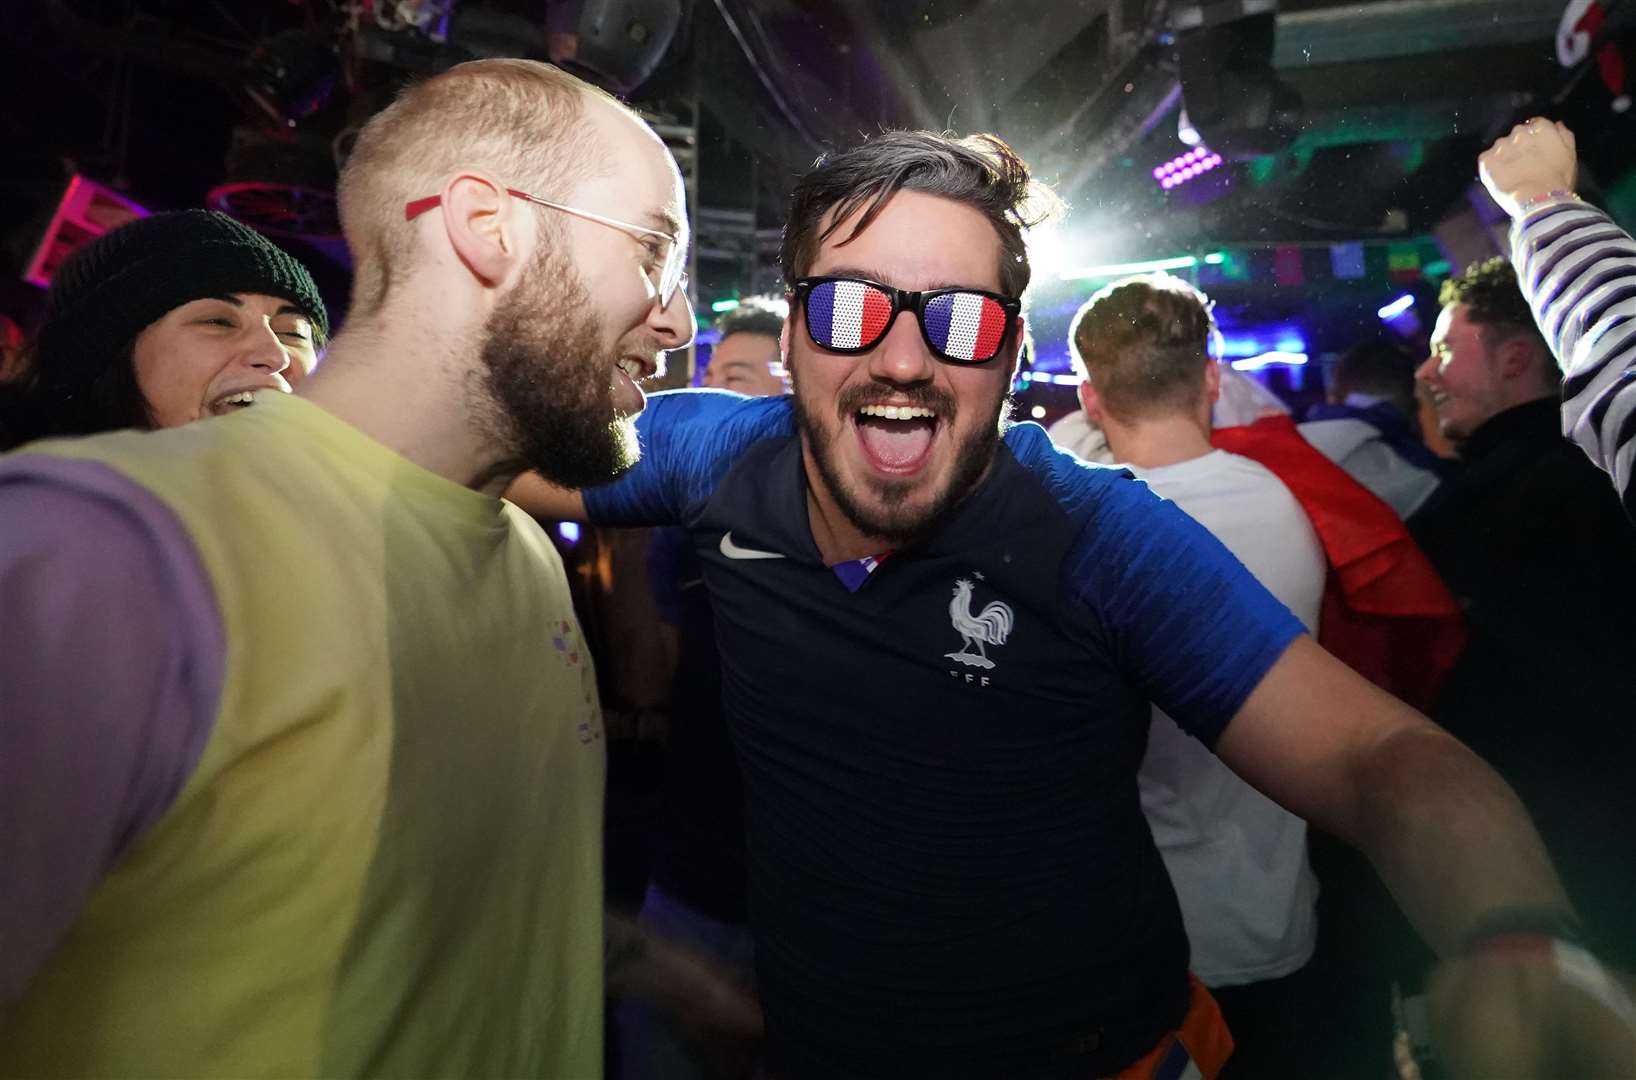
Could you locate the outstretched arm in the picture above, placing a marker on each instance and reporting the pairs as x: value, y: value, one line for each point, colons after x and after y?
x: 1457, y: 850
x: 543, y: 499
x: 1447, y: 835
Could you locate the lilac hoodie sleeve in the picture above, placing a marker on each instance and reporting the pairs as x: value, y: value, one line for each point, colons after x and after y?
x: 111, y: 661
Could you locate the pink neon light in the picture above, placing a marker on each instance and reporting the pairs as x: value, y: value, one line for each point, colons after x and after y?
x: 86, y: 211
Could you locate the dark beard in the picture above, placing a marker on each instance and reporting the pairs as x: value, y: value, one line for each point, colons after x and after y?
x: 546, y: 381
x: 896, y: 523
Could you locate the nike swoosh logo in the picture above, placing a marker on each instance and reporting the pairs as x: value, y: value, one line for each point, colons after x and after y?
x: 733, y: 551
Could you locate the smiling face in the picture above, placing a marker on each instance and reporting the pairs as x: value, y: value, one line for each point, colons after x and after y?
x: 619, y: 270
x: 747, y: 364
x: 562, y: 352
x: 206, y: 357
x: 894, y: 438
x: 1461, y: 375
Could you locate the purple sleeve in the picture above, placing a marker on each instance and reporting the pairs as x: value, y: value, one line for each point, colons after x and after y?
x: 111, y: 660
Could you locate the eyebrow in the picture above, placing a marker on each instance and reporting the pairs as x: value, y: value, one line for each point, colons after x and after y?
x: 875, y: 275
x: 285, y: 309
x: 667, y: 219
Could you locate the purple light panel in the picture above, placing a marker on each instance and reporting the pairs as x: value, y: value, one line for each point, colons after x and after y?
x: 1179, y: 170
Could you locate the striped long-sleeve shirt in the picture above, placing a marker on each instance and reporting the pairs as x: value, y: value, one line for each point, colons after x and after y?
x: 1578, y: 270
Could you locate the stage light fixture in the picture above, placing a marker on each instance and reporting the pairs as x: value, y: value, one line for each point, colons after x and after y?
x: 291, y: 75
x: 1232, y: 99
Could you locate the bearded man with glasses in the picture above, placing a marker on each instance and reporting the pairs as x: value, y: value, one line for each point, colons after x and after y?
x: 345, y: 821
x: 941, y: 643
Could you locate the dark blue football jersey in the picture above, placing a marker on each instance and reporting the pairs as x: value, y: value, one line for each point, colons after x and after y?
x: 950, y: 873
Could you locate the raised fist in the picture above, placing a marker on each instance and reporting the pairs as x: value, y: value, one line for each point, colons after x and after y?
x: 1536, y: 158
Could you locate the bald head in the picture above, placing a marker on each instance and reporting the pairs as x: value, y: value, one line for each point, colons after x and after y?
x: 531, y: 125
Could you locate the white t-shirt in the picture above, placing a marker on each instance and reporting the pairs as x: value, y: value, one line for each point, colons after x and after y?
x: 1238, y: 860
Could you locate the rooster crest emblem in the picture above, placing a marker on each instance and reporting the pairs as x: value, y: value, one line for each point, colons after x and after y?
x: 991, y: 626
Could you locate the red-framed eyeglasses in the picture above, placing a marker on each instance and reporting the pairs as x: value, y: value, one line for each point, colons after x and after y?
x: 671, y: 275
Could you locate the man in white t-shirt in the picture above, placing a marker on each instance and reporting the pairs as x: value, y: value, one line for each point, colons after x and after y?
x: 1238, y: 861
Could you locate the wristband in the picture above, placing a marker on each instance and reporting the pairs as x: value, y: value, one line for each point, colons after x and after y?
x: 1557, y: 937
x: 1524, y: 922
x: 1559, y: 195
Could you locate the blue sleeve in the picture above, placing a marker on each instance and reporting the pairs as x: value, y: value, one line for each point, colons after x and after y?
x: 1186, y: 620
x: 689, y: 440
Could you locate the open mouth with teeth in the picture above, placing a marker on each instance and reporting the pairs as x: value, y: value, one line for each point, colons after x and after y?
x: 227, y: 403
x: 896, y: 439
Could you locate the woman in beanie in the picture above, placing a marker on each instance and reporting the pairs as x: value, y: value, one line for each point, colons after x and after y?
x: 165, y: 320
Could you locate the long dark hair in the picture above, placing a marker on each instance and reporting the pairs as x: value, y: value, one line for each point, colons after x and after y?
x: 80, y: 399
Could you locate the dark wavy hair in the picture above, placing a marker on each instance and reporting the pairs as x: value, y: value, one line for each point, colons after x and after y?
x: 1379, y: 367
x: 754, y: 315
x: 1492, y: 297
x: 34, y: 405
x: 979, y: 170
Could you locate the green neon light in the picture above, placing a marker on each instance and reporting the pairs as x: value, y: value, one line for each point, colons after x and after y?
x: 719, y: 306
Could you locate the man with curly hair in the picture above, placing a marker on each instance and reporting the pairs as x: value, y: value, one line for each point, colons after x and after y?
x: 1533, y: 543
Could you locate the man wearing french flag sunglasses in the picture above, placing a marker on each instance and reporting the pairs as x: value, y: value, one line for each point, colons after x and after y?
x: 941, y: 639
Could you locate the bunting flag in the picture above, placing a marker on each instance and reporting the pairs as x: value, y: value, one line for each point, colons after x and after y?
x: 1403, y: 263
x: 1286, y: 266
x: 1347, y: 262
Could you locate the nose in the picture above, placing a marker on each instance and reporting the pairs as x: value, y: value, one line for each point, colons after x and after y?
x: 1427, y: 371
x: 672, y: 323
x: 263, y: 350
x: 902, y: 356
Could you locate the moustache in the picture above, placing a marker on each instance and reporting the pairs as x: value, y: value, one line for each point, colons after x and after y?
x: 921, y: 395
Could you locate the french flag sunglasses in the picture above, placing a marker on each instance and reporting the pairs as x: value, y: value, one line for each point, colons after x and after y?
x: 851, y: 315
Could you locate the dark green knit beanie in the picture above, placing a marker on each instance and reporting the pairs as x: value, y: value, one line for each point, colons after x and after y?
x: 109, y: 291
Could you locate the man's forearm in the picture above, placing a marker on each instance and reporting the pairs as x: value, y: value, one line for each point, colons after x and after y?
x: 1449, y: 836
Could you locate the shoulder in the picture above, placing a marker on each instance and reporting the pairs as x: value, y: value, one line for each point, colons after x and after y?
x: 97, y: 533
x: 1081, y: 489
x: 1252, y: 481
x: 715, y: 421
x: 78, y: 504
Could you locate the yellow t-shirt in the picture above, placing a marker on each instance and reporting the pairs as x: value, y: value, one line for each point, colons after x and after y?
x: 388, y: 859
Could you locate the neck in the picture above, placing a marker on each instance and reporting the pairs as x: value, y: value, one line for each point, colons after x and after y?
x: 836, y: 537
x: 1155, y: 443
x: 406, y: 382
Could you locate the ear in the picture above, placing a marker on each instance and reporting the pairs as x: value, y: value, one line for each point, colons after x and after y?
x: 1212, y: 381
x: 484, y: 226
x: 1019, y: 335
x: 1516, y: 358
x: 1089, y: 401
